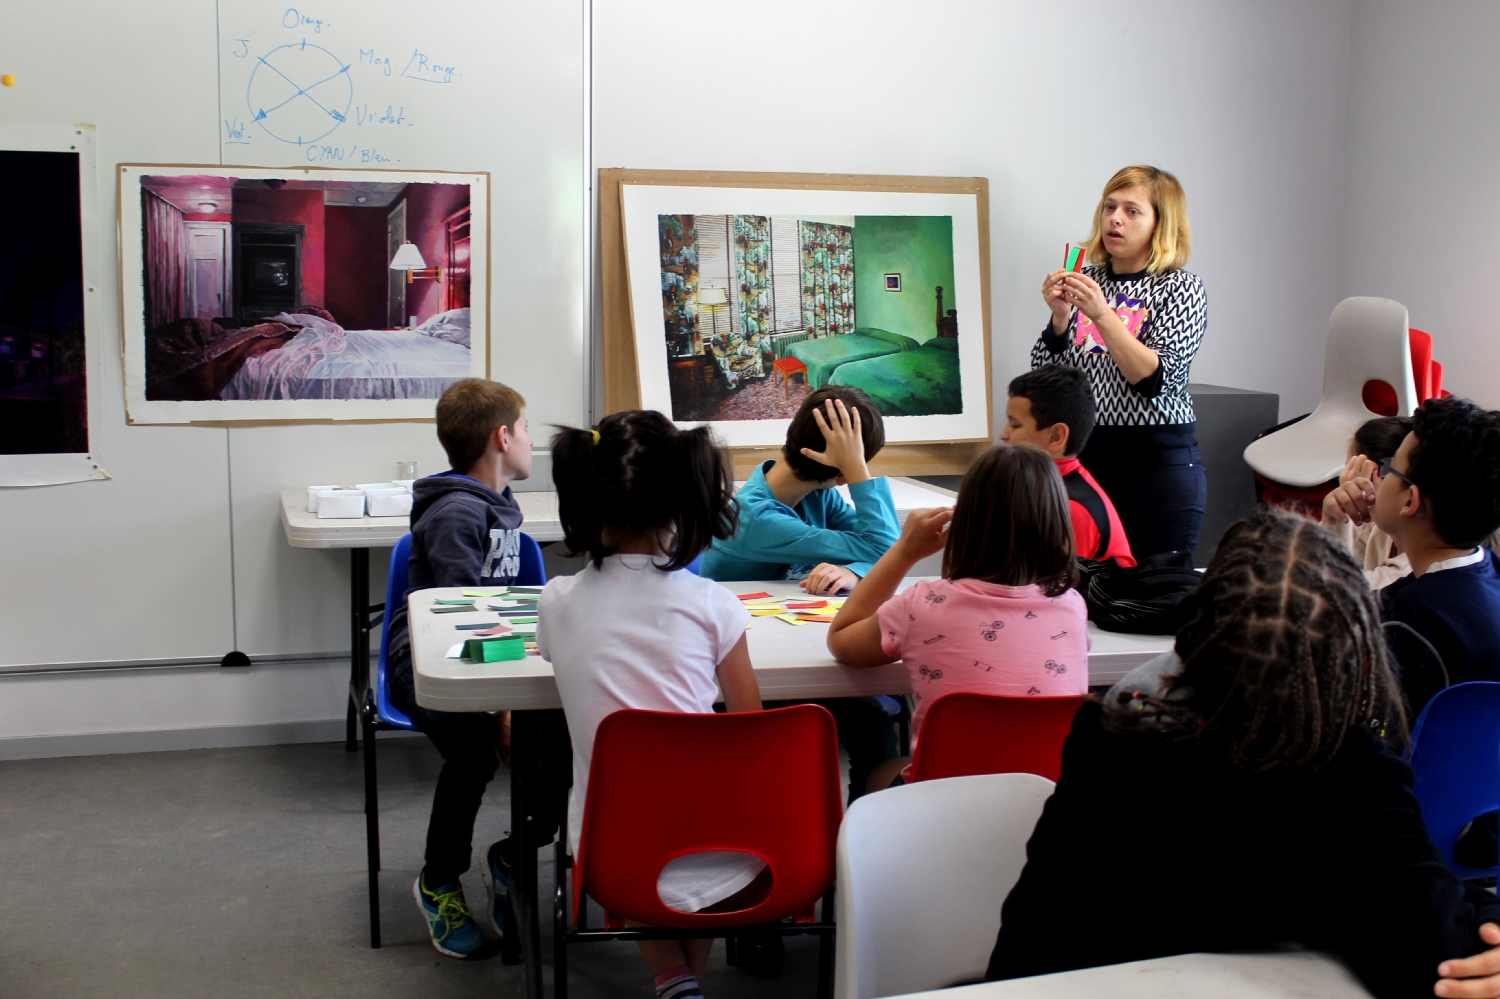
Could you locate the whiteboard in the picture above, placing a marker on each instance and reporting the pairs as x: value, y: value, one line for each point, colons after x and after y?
x: 332, y: 85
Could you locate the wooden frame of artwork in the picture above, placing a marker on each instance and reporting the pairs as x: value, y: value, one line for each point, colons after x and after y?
x: 941, y: 453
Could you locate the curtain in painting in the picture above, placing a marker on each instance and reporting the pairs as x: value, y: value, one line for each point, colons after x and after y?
x: 752, y: 272
x: 827, y: 279
x: 679, y: 282
x: 169, y: 262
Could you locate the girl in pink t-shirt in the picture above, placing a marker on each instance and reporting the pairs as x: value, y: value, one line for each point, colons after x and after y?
x: 1003, y: 619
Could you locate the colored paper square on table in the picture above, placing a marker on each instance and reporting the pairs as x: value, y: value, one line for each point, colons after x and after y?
x: 792, y: 619
x: 754, y: 596
x: 490, y: 650
x: 485, y: 593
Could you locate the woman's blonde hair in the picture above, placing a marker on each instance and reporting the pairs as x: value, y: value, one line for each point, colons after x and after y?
x: 1170, y: 243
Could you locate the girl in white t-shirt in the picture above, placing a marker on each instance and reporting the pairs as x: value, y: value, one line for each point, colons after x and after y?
x: 636, y: 629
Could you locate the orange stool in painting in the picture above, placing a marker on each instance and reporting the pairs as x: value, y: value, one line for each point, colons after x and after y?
x: 786, y: 367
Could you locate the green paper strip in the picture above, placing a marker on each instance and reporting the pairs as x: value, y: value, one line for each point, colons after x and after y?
x: 489, y: 650
x: 454, y: 601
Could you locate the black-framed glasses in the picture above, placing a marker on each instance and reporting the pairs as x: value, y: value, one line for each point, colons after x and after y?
x: 1387, y: 469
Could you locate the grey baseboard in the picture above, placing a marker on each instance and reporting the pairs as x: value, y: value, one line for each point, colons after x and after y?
x: 169, y: 740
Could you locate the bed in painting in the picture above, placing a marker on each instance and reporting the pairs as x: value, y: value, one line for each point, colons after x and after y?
x: 919, y: 382
x: 824, y: 355
x: 326, y: 361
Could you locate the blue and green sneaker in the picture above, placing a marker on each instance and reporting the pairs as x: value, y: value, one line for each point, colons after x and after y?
x: 496, y: 874
x: 450, y: 922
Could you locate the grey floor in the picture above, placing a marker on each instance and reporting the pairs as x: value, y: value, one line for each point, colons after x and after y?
x: 241, y: 872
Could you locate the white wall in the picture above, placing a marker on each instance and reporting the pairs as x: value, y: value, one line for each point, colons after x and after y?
x: 1245, y: 102
x: 181, y: 554
x: 1423, y: 188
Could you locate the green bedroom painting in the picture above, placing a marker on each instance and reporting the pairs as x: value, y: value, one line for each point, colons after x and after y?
x: 920, y: 249
x: 758, y: 311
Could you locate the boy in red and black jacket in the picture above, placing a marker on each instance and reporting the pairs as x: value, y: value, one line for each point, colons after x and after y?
x: 1053, y: 408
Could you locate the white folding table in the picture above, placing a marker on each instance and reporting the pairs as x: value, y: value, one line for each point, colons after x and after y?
x: 791, y: 663
x: 304, y: 529
x: 1289, y: 975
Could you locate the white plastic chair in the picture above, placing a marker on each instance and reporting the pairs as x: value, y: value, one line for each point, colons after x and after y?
x: 1367, y: 339
x: 922, y: 872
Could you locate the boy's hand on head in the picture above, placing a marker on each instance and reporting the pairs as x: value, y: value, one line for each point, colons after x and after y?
x: 826, y: 578
x: 925, y: 532
x: 843, y: 441
x: 1476, y: 976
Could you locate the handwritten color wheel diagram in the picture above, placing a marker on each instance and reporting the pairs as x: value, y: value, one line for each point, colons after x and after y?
x: 299, y: 92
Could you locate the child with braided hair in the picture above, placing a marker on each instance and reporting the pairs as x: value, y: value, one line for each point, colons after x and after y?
x: 1259, y: 762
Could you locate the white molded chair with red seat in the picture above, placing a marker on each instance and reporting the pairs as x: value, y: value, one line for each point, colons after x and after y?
x: 1368, y: 340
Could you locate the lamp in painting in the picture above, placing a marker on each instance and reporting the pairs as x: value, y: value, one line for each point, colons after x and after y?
x: 409, y: 259
x: 713, y: 299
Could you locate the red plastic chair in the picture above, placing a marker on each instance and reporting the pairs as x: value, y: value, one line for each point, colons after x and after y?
x: 1426, y: 373
x: 966, y: 734
x: 663, y: 785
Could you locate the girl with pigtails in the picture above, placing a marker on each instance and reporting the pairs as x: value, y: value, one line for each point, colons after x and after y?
x: 636, y: 629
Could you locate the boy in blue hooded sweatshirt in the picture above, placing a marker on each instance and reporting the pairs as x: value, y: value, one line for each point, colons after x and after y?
x: 465, y: 531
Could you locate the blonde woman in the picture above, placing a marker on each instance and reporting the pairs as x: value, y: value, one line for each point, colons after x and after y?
x: 1133, y: 320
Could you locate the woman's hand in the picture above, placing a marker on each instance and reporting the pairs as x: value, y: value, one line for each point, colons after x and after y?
x: 1053, y: 293
x: 843, y: 441
x: 1477, y: 976
x: 924, y: 533
x: 827, y: 578
x: 1083, y: 293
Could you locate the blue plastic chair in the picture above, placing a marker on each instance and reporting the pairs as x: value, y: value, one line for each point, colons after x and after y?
x: 1455, y: 753
x: 385, y: 716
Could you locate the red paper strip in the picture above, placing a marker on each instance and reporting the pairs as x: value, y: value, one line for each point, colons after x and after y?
x: 498, y: 629
x: 807, y: 603
x: 754, y: 596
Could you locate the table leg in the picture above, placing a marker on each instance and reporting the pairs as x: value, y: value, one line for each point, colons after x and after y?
x: 523, y: 889
x: 372, y: 830
x: 359, y: 638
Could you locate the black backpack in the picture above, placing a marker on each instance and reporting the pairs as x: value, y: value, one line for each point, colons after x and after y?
x: 1144, y: 599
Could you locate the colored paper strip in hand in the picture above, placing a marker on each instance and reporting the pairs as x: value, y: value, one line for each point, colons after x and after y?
x: 1073, y: 257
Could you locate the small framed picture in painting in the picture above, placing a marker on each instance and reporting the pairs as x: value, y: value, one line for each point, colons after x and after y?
x: 893, y: 282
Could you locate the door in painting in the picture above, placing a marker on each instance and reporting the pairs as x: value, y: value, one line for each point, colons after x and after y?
x: 456, y: 271
x: 212, y: 292
x: 395, y: 235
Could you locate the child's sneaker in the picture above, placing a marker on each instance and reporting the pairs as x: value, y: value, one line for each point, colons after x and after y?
x: 450, y: 922
x: 496, y: 874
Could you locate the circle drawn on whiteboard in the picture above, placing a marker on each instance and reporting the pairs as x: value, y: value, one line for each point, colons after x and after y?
x: 299, y: 93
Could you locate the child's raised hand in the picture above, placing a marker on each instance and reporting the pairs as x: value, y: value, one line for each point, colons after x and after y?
x: 843, y: 441
x: 1358, y: 467
x: 1350, y: 502
x: 925, y: 532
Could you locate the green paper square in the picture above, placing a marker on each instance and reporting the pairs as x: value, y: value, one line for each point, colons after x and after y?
x: 489, y: 650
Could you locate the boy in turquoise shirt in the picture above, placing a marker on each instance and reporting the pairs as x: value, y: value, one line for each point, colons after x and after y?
x: 793, y: 522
